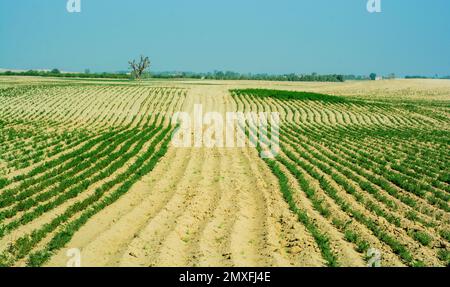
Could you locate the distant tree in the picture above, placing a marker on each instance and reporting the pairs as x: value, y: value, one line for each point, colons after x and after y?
x: 415, y: 77
x: 87, y: 71
x: 340, y: 78
x: 373, y: 76
x: 138, y: 68
x: 55, y: 71
x: 219, y: 75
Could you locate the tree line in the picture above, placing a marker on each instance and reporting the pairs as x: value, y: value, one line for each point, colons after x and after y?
x: 217, y: 75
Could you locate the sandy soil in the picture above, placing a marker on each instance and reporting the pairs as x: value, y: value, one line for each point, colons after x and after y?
x: 223, y: 206
x: 200, y: 207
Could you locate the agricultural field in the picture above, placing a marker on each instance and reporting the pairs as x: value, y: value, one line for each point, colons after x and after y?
x: 88, y: 164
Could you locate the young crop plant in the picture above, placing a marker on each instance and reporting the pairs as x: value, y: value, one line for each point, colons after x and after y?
x: 379, y: 162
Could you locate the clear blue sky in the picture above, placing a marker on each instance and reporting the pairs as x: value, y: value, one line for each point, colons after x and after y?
x: 273, y: 36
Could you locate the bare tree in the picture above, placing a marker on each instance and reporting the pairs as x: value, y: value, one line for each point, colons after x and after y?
x: 139, y: 68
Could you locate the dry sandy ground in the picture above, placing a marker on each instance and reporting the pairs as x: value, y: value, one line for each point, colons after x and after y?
x: 199, y: 207
x: 218, y: 207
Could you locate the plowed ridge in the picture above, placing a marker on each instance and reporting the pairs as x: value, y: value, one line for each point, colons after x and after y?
x: 199, y: 207
x: 362, y: 175
x: 91, y: 167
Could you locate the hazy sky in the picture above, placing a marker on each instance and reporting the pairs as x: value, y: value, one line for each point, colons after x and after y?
x: 273, y: 36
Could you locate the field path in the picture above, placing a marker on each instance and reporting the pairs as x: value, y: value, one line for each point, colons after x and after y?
x: 199, y: 207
